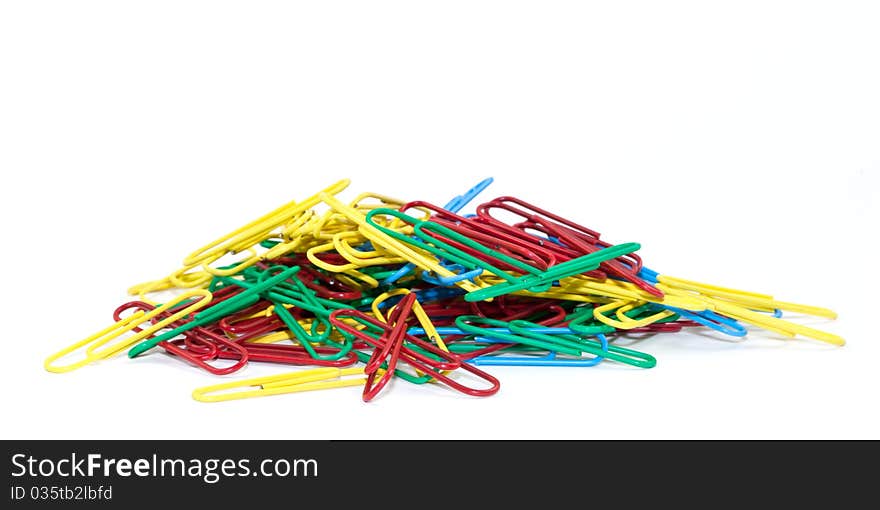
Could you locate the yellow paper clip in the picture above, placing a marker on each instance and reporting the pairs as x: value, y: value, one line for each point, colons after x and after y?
x: 242, y: 239
x: 752, y: 300
x: 279, y: 384
x: 625, y: 322
x: 251, y: 233
x: 101, y: 338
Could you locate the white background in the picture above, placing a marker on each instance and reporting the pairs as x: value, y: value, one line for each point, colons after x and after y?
x: 739, y: 143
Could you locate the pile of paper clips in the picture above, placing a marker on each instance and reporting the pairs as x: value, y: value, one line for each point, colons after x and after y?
x: 377, y: 288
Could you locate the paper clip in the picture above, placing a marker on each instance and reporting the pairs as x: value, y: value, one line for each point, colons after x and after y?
x: 388, y: 354
x: 574, y: 345
x: 548, y: 360
x: 255, y: 231
x: 291, y: 382
x: 101, y: 338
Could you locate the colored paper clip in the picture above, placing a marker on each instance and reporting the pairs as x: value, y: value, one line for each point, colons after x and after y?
x: 500, y: 330
x: 242, y: 239
x: 548, y: 360
x: 291, y: 382
x: 623, y: 321
x: 713, y: 320
x: 291, y: 355
x: 574, y: 345
x: 427, y: 326
x: 458, y: 203
x: 200, y: 346
x: 388, y: 354
x: 255, y: 231
x: 103, y: 337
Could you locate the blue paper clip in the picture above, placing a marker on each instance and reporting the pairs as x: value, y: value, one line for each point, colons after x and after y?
x: 457, y: 204
x: 448, y: 281
x: 712, y: 320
